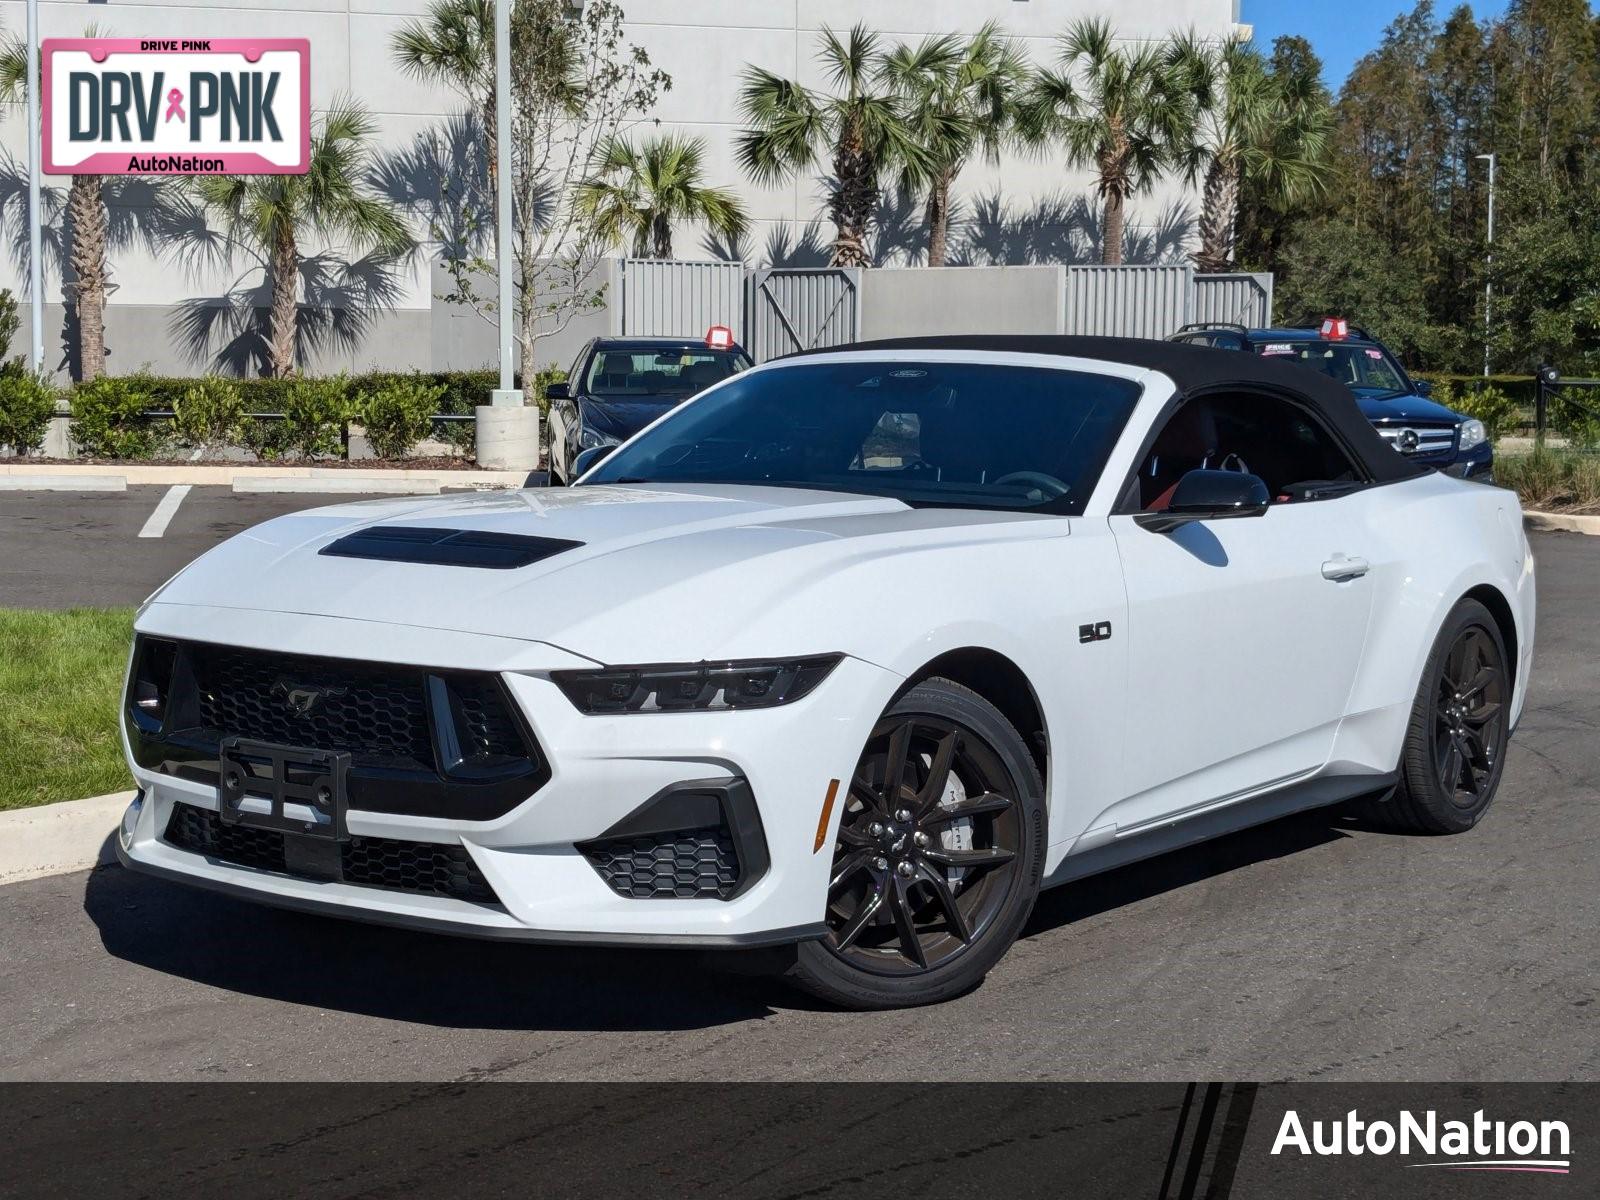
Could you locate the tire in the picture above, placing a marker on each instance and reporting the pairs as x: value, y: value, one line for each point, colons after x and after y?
x: 1455, y: 743
x: 935, y: 871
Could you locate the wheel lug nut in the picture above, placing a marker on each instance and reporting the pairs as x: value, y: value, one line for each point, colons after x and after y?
x: 876, y: 829
x: 920, y: 839
x: 881, y: 863
x: 903, y: 814
x: 905, y: 870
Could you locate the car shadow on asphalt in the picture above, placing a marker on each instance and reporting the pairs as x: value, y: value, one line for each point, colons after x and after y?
x: 467, y: 983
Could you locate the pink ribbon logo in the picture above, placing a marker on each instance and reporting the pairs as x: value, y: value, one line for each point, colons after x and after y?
x: 175, y: 105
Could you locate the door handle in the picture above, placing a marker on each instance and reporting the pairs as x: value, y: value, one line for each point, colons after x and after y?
x: 1339, y: 568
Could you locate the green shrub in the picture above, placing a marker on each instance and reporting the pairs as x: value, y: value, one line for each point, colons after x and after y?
x: 399, y: 414
x: 109, y: 421
x: 1552, y: 480
x: 209, y: 412
x: 267, y: 438
x: 10, y: 322
x: 314, y: 414
x: 1489, y: 404
x: 1575, y: 414
x: 542, y: 381
x: 26, y: 405
x: 1522, y: 389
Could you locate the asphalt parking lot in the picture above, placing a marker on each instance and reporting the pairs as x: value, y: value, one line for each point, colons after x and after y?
x: 66, y: 549
x: 1313, y: 948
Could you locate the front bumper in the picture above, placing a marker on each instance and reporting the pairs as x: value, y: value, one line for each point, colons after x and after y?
x: 602, y: 769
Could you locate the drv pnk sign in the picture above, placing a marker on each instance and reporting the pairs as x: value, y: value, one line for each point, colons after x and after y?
x: 153, y: 106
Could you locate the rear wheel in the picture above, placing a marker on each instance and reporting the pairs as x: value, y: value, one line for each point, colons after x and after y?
x: 938, y: 857
x: 1455, y: 745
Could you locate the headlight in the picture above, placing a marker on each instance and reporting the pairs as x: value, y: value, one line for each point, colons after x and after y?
x: 695, y: 687
x: 592, y: 439
x: 1473, y: 434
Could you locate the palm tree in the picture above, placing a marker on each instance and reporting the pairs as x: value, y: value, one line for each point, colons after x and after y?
x: 860, y: 121
x: 453, y: 44
x: 1126, y: 114
x: 959, y: 100
x: 638, y: 192
x: 1253, y: 125
x: 272, y: 213
x: 86, y: 217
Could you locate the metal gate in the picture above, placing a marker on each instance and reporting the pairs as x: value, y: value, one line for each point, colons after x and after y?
x: 669, y: 298
x: 803, y: 309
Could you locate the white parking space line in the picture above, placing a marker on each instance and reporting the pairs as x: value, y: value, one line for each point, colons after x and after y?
x: 157, y: 524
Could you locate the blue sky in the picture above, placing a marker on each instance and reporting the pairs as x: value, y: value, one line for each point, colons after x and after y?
x: 1343, y: 31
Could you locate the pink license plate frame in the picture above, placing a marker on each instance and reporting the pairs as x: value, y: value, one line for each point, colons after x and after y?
x: 230, y: 162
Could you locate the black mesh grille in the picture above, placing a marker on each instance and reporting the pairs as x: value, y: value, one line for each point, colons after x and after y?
x: 414, y: 867
x: 491, y: 731
x: 424, y: 868
x: 201, y: 831
x: 378, y: 713
x: 684, y: 864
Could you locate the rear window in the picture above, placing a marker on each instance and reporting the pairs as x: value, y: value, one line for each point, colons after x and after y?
x: 652, y: 372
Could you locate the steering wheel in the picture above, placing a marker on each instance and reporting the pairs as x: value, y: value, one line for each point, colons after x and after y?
x: 1049, y: 485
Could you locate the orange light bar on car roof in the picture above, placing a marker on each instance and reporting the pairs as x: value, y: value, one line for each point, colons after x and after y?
x: 719, y: 337
x: 1335, y: 328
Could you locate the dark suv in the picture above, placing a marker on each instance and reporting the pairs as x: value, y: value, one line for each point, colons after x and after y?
x: 1397, y: 405
x: 618, y: 385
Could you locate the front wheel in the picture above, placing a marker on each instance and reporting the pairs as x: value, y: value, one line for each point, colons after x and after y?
x: 938, y: 858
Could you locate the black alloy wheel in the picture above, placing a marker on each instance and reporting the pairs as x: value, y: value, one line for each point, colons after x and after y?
x: 1455, y: 747
x: 936, y: 861
x: 1469, y: 717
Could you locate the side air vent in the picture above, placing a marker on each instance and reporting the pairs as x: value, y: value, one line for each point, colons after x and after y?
x: 447, y: 547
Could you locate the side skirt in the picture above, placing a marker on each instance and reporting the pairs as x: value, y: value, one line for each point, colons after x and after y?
x: 1297, y: 797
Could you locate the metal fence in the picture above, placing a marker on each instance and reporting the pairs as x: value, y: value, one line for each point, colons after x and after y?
x: 1154, y: 302
x: 777, y: 311
x: 1242, y: 298
x: 1138, y: 302
x: 667, y: 298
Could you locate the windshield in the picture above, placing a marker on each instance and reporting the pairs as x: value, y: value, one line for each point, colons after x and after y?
x: 1360, y: 368
x: 929, y: 433
x: 651, y: 372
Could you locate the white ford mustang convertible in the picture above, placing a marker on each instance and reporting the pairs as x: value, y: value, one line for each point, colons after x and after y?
x: 850, y: 655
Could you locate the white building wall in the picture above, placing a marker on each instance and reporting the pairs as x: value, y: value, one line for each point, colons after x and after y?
x: 1018, y: 212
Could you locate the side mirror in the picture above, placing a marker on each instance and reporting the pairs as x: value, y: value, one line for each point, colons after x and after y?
x: 557, y: 391
x: 1424, y: 387
x: 590, y: 457
x: 1209, y: 496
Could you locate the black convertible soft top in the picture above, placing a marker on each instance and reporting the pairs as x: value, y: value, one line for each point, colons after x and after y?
x: 1194, y: 370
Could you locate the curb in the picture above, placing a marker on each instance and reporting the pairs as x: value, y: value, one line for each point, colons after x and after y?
x: 57, y: 839
x: 56, y: 482
x: 1562, y: 523
x: 68, y: 477
x: 364, y: 486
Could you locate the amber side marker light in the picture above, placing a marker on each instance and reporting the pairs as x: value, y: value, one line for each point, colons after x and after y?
x: 827, y: 811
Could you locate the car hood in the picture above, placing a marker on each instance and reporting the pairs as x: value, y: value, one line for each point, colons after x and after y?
x: 660, y: 573
x: 622, y: 419
x: 1405, y: 408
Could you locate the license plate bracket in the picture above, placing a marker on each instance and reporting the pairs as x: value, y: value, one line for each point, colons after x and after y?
x: 289, y: 789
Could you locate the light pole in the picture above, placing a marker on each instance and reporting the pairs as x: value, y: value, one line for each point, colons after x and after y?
x: 502, y: 127
x: 1488, y: 277
x: 35, y: 231
x: 507, y: 428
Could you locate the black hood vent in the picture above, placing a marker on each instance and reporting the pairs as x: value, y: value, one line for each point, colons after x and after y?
x: 448, y: 547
